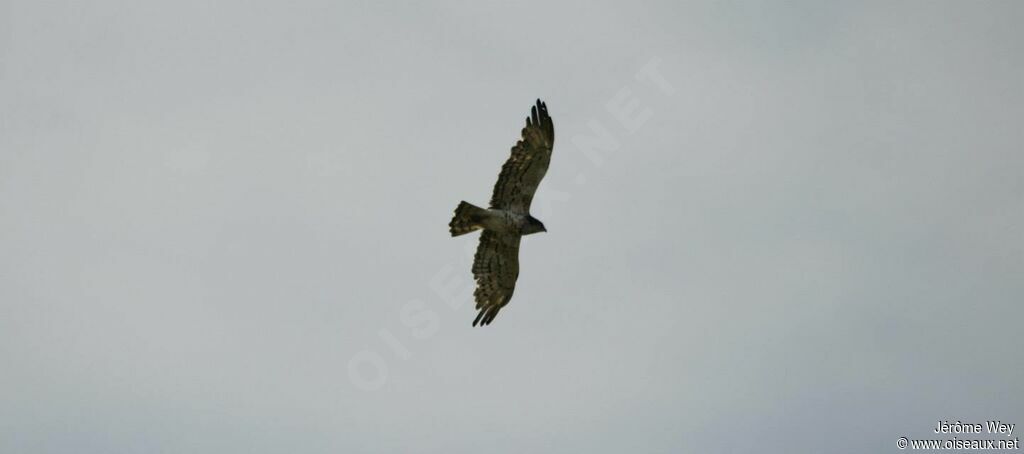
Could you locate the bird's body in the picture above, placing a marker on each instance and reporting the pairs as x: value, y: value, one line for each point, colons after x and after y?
x: 499, y: 221
x: 496, y: 263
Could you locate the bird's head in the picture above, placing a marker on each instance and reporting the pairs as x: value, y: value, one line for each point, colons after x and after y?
x: 534, y: 225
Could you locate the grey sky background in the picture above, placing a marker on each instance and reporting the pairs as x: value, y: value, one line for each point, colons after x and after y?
x: 206, y: 210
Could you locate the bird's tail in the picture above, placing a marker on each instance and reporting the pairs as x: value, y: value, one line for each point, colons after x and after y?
x: 468, y: 217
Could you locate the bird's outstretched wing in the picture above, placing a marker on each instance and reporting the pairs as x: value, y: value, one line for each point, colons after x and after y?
x: 495, y: 268
x: 523, y: 171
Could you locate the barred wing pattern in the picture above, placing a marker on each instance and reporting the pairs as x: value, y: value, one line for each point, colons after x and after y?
x: 496, y: 264
x: 495, y: 268
x: 523, y: 171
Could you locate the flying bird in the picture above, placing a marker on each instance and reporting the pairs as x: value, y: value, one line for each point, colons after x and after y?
x: 496, y: 263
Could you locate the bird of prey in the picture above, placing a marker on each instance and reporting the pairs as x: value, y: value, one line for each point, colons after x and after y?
x: 496, y: 263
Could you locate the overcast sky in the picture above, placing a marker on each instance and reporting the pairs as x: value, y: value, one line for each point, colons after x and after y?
x: 772, y: 227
